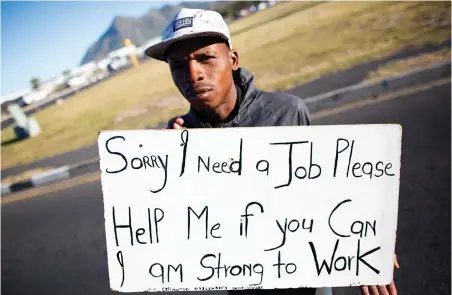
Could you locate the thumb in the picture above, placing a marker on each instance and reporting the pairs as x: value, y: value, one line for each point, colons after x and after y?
x: 396, y: 263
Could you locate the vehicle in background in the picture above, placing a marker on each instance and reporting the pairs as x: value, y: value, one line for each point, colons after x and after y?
x: 77, y: 81
x: 35, y: 96
x: 117, y: 62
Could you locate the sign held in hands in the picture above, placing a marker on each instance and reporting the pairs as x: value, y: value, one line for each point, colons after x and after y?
x: 250, y: 208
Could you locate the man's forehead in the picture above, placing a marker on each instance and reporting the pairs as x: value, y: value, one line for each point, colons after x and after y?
x: 200, y: 45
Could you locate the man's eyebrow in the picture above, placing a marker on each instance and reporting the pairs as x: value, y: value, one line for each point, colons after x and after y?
x: 211, y: 52
x: 180, y: 58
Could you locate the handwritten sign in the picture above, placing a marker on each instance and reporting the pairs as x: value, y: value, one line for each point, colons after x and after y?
x: 250, y: 208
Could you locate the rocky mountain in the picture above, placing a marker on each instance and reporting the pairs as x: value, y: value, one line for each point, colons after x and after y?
x: 141, y: 29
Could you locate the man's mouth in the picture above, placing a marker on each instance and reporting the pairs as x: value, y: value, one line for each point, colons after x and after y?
x: 201, y: 93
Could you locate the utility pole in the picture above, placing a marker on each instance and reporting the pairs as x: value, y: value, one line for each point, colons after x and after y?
x: 132, y: 56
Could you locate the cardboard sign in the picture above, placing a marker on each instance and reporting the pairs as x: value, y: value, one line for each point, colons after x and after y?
x: 250, y: 208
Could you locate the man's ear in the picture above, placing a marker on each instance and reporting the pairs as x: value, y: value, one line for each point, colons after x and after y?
x: 234, y: 56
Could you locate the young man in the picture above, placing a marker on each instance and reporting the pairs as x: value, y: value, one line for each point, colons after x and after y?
x: 205, y: 68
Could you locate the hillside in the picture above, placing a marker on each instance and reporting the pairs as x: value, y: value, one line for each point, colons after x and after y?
x: 139, y: 30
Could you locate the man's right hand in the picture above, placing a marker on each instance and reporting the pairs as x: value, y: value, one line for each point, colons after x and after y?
x: 176, y: 123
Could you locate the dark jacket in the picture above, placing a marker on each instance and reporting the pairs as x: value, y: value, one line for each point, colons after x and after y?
x: 257, y: 108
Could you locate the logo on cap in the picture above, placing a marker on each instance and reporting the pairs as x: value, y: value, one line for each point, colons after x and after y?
x: 182, y: 23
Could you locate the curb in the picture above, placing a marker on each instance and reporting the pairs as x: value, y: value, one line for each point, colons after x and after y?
x: 315, y: 103
x: 47, y: 177
x: 373, y: 89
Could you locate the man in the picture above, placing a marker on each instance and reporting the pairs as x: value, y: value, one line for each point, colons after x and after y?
x: 205, y: 68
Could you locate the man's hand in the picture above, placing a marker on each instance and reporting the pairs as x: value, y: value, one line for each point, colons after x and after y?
x: 382, y: 290
x: 176, y: 123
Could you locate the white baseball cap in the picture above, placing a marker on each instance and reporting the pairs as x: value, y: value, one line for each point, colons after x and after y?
x: 189, y: 23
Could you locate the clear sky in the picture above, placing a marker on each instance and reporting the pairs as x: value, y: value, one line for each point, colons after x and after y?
x: 41, y: 39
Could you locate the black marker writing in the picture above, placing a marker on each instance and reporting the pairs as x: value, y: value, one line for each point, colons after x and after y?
x: 230, y: 270
x: 157, y: 270
x: 263, y: 166
x: 290, y: 159
x: 331, y: 215
x: 292, y: 226
x: 184, y: 139
x: 136, y: 163
x: 204, y: 211
x: 165, y: 168
x: 290, y: 268
x: 300, y: 172
x: 129, y: 226
x: 222, y: 167
x: 358, y: 227
x: 246, y: 217
x: 121, y: 263
x: 140, y: 232
x: 342, y: 263
x: 116, y: 153
x: 358, y: 169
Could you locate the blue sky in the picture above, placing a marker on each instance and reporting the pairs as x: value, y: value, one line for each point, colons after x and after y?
x: 41, y: 39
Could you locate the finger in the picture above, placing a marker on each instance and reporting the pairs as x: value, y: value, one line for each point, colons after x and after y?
x: 180, y: 121
x: 396, y: 263
x: 177, y: 126
x: 373, y: 290
x: 392, y: 288
x: 365, y: 290
x: 382, y: 290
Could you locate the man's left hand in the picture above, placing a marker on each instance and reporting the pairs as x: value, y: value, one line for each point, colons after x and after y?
x: 382, y: 290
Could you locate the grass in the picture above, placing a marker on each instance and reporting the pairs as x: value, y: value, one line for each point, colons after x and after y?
x: 403, y: 65
x: 289, y: 44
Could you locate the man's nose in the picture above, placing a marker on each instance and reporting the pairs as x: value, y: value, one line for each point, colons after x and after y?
x: 194, y: 72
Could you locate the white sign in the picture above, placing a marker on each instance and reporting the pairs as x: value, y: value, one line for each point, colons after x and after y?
x: 250, y: 208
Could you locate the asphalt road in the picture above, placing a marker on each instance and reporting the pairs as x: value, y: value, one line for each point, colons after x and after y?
x: 55, y: 244
x: 348, y: 77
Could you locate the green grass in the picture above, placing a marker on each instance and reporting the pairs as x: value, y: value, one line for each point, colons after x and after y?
x: 289, y: 44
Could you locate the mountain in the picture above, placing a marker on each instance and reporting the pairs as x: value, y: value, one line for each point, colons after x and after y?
x: 139, y: 30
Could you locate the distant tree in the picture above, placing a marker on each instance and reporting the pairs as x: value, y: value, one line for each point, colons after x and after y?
x: 35, y: 83
x: 233, y: 9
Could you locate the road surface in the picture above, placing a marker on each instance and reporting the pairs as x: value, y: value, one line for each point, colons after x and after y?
x: 55, y: 243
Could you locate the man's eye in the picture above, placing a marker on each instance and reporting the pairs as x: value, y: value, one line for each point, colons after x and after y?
x: 204, y: 59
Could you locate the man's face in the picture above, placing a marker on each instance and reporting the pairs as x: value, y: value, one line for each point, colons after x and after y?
x: 202, y: 70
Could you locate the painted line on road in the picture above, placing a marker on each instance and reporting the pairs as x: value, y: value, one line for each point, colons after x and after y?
x: 371, y: 101
x: 44, y: 190
x: 70, y: 183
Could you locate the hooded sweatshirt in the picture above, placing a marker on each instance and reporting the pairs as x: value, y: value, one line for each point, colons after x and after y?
x: 257, y: 108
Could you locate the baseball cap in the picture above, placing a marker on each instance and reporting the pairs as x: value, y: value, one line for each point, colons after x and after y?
x: 189, y: 23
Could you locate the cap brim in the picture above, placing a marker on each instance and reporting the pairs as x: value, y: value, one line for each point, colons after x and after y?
x: 158, y: 50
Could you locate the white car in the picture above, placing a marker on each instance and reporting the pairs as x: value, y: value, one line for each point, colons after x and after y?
x: 78, y: 81
x: 117, y: 63
x: 36, y: 96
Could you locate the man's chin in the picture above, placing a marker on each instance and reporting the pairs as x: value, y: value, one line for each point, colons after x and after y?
x: 202, y: 105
